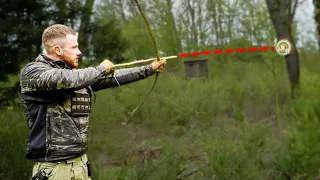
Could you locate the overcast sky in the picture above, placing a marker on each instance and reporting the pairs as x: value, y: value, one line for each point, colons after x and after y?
x: 306, y: 24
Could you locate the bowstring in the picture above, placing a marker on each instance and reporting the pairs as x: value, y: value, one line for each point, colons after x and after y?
x: 158, y: 59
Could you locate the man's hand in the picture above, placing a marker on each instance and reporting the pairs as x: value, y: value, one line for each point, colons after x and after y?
x: 157, y: 66
x: 108, y: 65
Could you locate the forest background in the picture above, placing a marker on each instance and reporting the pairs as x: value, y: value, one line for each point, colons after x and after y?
x: 255, y: 116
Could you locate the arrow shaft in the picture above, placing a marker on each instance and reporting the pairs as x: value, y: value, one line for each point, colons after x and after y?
x: 117, y: 66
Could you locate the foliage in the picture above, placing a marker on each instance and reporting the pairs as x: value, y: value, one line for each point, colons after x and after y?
x: 108, y: 41
x: 225, y: 127
x: 22, y: 23
x: 301, y: 157
x: 240, y: 123
x: 13, y: 140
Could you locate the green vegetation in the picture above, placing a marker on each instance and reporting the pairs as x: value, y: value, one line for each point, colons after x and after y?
x: 241, y: 123
x: 232, y: 126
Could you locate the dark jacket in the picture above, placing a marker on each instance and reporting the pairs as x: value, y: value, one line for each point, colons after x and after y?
x: 46, y: 86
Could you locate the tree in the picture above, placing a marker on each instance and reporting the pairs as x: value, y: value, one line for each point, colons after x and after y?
x: 316, y: 4
x: 282, y: 13
x: 84, y: 31
x: 22, y: 23
x: 107, y: 39
x: 66, y: 12
x: 163, y: 22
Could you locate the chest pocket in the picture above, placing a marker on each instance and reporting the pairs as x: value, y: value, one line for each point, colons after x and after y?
x: 78, y: 103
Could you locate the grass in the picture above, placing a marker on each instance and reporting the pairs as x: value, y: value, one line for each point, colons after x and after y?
x: 238, y: 124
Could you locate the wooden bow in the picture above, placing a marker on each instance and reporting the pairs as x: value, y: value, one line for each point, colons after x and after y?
x: 157, y: 56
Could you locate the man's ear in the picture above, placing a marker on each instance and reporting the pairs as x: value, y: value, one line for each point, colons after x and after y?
x: 58, y: 50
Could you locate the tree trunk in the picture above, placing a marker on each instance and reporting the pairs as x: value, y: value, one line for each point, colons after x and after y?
x: 282, y: 23
x: 121, y: 4
x: 213, y: 13
x: 221, y: 14
x: 194, y: 32
x: 174, y: 27
x: 317, y: 17
x: 62, y: 14
x: 84, y: 30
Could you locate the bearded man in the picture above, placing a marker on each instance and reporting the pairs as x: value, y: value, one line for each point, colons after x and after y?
x: 57, y: 99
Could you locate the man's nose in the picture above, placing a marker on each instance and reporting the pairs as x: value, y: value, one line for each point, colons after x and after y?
x: 79, y: 53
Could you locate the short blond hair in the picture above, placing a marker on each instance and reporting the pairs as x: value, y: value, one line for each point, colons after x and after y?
x: 53, y: 34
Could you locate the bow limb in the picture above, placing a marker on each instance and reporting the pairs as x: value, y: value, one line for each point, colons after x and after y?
x: 157, y: 55
x: 149, y: 29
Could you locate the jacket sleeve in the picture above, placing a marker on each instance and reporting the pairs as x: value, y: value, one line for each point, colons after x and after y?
x: 123, y: 76
x: 41, y: 77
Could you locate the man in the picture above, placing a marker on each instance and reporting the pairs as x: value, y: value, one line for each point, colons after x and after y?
x: 57, y: 98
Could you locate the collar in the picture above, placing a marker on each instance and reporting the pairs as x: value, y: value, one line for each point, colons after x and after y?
x: 54, y: 63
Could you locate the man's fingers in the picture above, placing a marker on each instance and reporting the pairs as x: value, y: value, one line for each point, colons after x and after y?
x: 158, y: 65
x: 108, y: 65
x: 162, y: 62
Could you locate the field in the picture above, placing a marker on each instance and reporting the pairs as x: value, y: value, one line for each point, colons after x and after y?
x: 240, y: 123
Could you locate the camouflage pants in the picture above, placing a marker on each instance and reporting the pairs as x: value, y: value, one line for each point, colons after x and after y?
x: 71, y: 169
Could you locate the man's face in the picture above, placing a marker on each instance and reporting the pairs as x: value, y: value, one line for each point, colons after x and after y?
x: 70, y: 51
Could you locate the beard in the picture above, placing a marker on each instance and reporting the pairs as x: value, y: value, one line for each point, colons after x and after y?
x: 73, y: 63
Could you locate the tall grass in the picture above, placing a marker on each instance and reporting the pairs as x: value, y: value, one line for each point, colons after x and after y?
x: 13, y: 141
x: 238, y: 124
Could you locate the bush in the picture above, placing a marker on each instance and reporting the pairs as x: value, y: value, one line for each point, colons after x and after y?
x: 13, y: 140
x: 300, y: 158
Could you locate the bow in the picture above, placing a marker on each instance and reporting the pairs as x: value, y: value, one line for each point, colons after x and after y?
x: 158, y: 59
